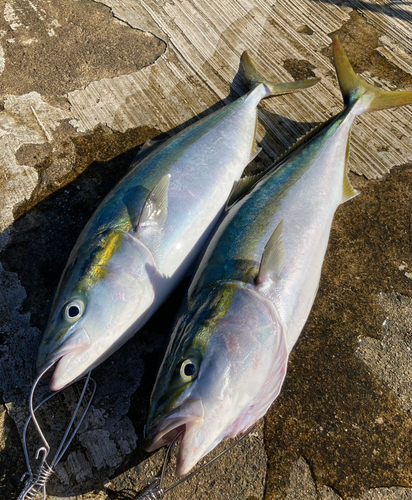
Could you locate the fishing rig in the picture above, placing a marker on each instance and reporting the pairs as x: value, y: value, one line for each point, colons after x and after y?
x: 154, y: 489
x: 36, y: 481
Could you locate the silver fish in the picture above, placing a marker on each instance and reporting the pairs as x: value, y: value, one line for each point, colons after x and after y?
x: 254, y: 288
x: 144, y: 236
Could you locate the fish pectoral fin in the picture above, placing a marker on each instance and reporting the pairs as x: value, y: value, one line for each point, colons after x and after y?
x: 241, y: 187
x: 154, y: 211
x: 149, y: 146
x: 274, y: 256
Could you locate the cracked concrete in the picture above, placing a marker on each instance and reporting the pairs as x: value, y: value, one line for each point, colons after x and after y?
x: 302, y: 487
x: 85, y: 84
x: 82, y: 41
x: 390, y: 357
x: 123, y: 78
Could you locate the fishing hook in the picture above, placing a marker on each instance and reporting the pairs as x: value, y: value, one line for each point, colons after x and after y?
x: 36, y: 482
x: 154, y: 489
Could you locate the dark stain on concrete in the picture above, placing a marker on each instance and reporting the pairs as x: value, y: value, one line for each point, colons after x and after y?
x: 49, y: 228
x: 305, y: 30
x: 83, y: 43
x: 12, y: 464
x: 58, y: 163
x: 35, y: 155
x: 299, y: 69
x: 332, y: 410
x: 360, y: 39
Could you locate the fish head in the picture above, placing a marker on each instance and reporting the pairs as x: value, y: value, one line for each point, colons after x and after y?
x: 104, y: 293
x: 224, y: 365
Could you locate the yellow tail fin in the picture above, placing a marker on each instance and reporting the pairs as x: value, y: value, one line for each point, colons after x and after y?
x: 253, y: 77
x: 354, y: 88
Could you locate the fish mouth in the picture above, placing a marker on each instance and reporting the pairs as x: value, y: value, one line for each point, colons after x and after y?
x: 167, y: 431
x: 60, y: 359
x: 186, y: 417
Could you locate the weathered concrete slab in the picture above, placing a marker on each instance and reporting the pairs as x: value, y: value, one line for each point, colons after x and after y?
x: 204, y: 42
x: 83, y: 85
x: 344, y: 407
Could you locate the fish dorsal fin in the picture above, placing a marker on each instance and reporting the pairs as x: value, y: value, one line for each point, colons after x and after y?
x: 348, y: 192
x: 154, y: 211
x: 312, y: 132
x: 147, y: 148
x: 273, y: 258
x: 241, y: 187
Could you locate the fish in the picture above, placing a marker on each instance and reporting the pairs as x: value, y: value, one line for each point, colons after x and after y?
x: 144, y: 236
x: 255, y: 285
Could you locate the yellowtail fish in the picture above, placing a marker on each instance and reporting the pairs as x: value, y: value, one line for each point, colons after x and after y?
x: 255, y: 286
x: 144, y: 236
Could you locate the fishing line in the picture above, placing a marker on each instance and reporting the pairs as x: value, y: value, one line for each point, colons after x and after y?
x: 36, y: 482
x: 155, y: 489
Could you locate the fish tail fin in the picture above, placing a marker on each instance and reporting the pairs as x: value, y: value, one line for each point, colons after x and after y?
x: 354, y: 88
x: 253, y: 78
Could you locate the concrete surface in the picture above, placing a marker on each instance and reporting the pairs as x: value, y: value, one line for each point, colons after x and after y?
x: 83, y: 85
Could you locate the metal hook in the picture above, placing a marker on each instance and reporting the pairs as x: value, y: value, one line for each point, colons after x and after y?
x: 36, y: 482
x: 155, y: 489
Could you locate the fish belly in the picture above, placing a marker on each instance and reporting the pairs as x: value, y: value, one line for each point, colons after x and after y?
x: 200, y: 184
x: 307, y: 212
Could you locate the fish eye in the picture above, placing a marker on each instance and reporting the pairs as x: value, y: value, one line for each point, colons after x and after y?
x: 189, y: 369
x: 73, y: 311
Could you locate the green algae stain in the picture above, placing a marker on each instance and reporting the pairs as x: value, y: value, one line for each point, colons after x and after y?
x: 333, y: 410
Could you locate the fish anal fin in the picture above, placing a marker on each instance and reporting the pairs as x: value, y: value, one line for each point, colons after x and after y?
x: 273, y: 258
x: 348, y: 192
x: 255, y: 148
x: 255, y: 151
x: 154, y: 212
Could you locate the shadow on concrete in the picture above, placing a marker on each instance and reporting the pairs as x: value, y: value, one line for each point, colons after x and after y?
x: 392, y: 9
x: 39, y: 245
